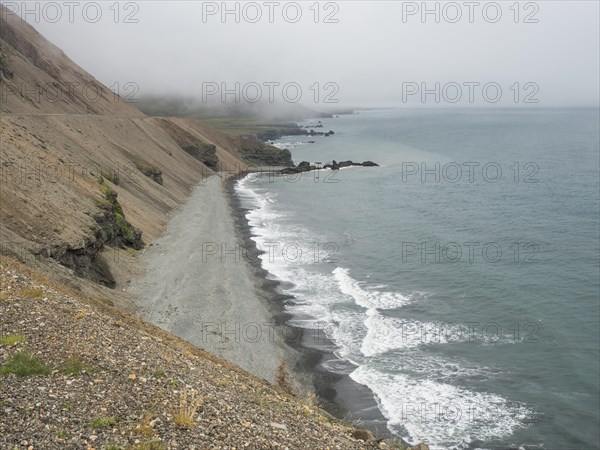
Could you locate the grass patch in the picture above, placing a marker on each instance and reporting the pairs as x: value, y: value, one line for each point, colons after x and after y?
x: 75, y: 365
x: 144, y: 428
x: 110, y: 176
x: 159, y: 373
x: 32, y: 293
x: 149, y: 445
x: 188, y: 405
x: 106, y: 301
x: 106, y: 190
x: 3, y: 297
x: 102, y: 422
x: 61, y: 434
x: 143, y: 166
x: 11, y: 339
x: 23, y: 364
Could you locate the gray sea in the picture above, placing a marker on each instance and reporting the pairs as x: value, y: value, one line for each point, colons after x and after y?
x: 459, y: 280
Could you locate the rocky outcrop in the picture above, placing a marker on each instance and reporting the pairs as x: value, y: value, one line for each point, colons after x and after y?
x: 320, y: 133
x: 6, y: 72
x: 113, y: 229
x: 285, y: 130
x: 305, y: 166
x: 206, y: 153
x: 152, y: 172
x: 257, y: 153
x: 338, y: 165
x: 84, y: 259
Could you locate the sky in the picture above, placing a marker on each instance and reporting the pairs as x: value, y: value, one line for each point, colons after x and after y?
x: 330, y: 54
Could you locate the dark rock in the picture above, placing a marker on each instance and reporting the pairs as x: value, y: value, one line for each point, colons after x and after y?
x: 85, y: 260
x: 151, y: 172
x: 284, y: 130
x: 258, y: 153
x: 206, y: 153
x: 116, y: 231
x: 370, y: 164
x: 363, y: 435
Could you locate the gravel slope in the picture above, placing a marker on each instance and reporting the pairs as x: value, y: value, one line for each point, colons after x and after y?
x: 126, y: 383
x: 196, y: 290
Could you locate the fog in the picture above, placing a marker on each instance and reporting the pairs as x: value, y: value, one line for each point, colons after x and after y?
x: 350, y: 54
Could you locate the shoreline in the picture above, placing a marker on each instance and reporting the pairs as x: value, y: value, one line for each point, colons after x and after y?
x: 338, y: 394
x: 211, y: 300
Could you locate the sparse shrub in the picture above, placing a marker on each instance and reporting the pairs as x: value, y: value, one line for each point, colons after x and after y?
x: 149, y: 445
x: 144, y: 428
x: 22, y: 364
x: 11, y: 339
x: 75, y: 365
x: 3, y: 297
x: 32, y: 293
x: 110, y: 176
x: 102, y: 422
x: 189, y: 403
x: 106, y: 301
x: 159, y: 373
x: 282, y: 378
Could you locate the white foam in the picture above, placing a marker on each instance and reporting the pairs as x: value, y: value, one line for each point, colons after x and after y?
x: 368, y: 298
x: 443, y: 414
x: 352, y: 314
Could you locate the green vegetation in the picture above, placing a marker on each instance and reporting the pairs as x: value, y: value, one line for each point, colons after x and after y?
x: 23, y: 364
x: 75, y: 365
x: 144, y: 166
x: 240, y: 126
x: 111, y: 203
x: 159, y: 373
x: 11, y: 339
x: 61, y: 434
x: 103, y: 422
x: 149, y: 445
x: 110, y: 176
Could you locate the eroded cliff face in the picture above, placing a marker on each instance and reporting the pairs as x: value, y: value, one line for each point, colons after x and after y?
x: 60, y: 146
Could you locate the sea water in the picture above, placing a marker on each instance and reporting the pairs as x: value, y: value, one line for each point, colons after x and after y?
x: 459, y: 280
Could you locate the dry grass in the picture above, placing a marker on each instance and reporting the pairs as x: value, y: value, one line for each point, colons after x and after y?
x: 189, y: 402
x: 32, y: 293
x: 282, y: 378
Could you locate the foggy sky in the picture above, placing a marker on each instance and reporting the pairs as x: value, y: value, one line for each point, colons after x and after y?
x: 368, y: 54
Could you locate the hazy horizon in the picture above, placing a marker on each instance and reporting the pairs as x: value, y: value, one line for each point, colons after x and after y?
x: 378, y: 54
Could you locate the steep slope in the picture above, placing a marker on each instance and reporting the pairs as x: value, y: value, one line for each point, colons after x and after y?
x: 83, y: 170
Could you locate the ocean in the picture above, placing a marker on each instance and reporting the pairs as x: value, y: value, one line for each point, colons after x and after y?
x: 459, y: 281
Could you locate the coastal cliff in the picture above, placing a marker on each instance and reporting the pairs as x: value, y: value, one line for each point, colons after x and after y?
x: 87, y: 186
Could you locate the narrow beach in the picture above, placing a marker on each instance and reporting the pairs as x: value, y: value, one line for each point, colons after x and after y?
x: 198, y: 286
